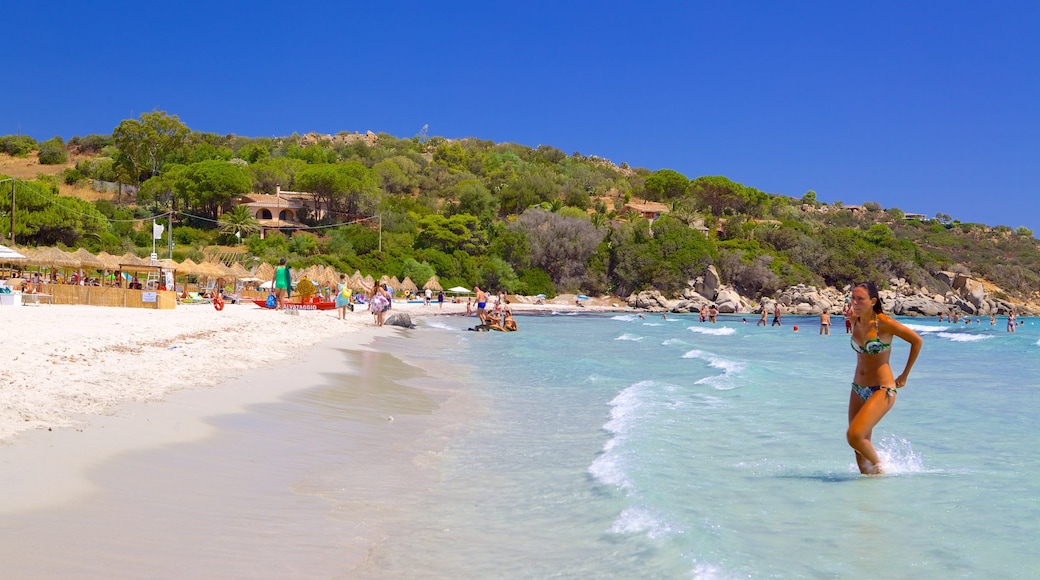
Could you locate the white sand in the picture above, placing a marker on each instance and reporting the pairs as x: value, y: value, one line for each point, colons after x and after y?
x: 61, y: 364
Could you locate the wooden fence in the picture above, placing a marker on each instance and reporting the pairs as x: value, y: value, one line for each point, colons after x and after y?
x: 104, y: 296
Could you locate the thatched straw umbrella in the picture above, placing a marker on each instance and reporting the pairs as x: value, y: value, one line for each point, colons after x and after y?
x: 87, y: 260
x: 355, y: 282
x: 331, y: 276
x: 110, y: 262
x: 368, y: 282
x: 264, y: 271
x: 58, y: 258
x: 395, y: 283
x: 33, y: 256
x: 408, y: 286
x: 129, y: 259
x: 189, y: 267
x: 433, y: 284
x: 238, y: 271
x: 168, y: 264
x: 210, y: 270
x: 384, y: 280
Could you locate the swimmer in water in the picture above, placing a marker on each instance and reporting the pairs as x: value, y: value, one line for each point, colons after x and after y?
x: 873, y: 385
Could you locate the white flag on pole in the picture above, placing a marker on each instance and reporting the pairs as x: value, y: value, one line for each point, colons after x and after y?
x: 157, y: 230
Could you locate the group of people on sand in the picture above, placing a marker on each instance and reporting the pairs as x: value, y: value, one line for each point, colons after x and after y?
x: 499, y: 317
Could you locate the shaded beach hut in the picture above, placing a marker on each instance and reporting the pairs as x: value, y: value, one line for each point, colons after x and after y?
x: 408, y: 286
x: 433, y: 284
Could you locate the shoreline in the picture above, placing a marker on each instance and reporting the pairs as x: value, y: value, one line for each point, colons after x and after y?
x: 305, y: 450
x: 65, y: 365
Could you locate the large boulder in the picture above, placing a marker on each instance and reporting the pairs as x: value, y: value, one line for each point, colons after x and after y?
x: 650, y: 300
x: 691, y: 304
x: 728, y: 301
x: 955, y: 301
x: 917, y: 306
x: 400, y: 319
x: 708, y: 285
x: 946, y: 277
x: 974, y: 292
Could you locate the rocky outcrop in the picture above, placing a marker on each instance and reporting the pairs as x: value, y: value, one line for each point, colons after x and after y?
x: 708, y: 284
x: 966, y: 296
x: 400, y: 319
x: 728, y: 301
x: 918, y: 306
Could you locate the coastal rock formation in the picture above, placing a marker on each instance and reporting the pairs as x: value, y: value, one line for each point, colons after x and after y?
x: 802, y: 299
x: 708, y: 284
x: 966, y: 295
x: 917, y: 306
x: 400, y: 319
x: 729, y: 301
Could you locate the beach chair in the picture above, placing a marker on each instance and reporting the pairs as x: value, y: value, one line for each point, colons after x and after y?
x: 196, y: 298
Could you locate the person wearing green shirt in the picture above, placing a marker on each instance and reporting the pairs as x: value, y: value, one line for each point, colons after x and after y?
x: 282, y: 283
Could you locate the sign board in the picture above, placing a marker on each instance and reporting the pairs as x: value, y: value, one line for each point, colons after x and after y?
x: 148, y: 297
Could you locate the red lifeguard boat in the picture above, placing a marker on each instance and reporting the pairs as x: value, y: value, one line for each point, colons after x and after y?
x: 315, y: 303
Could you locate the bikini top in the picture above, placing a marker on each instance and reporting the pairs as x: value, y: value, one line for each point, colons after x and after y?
x: 871, y: 345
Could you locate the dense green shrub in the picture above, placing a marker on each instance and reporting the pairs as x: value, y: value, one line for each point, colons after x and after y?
x: 17, y: 145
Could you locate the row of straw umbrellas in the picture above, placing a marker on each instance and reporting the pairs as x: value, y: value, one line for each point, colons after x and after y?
x: 319, y: 275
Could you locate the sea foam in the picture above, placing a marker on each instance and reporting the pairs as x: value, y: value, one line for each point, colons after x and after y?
x: 898, y: 456
x: 961, y: 337
x: 728, y: 367
x: 635, y: 519
x: 713, y: 331
x: 631, y: 337
x: 438, y: 324
x: 608, y: 467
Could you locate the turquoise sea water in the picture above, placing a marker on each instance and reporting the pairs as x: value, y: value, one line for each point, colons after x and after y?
x: 610, y: 446
x: 591, y: 446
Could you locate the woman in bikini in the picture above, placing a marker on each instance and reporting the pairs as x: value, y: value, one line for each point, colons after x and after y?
x: 873, y: 386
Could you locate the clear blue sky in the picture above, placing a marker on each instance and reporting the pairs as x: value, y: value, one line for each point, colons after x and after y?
x: 926, y: 106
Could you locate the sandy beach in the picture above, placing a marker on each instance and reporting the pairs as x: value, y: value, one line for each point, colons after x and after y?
x: 104, y: 410
x: 62, y: 364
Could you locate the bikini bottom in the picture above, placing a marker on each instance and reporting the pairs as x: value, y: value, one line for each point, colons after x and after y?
x: 865, y: 392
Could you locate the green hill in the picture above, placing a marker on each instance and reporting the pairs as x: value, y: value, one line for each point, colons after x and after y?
x: 501, y: 215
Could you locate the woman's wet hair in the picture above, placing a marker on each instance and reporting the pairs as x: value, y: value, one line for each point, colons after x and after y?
x: 872, y: 293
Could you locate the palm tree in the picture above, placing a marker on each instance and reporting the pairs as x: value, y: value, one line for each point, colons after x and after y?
x: 238, y: 221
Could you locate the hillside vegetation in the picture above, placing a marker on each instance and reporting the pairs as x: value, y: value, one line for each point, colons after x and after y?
x: 502, y: 215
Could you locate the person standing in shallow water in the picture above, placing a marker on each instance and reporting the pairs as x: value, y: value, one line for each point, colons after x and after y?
x: 873, y: 385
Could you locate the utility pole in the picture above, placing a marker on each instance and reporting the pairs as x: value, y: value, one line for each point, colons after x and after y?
x: 169, y: 233
x: 12, y: 180
x: 380, y: 232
